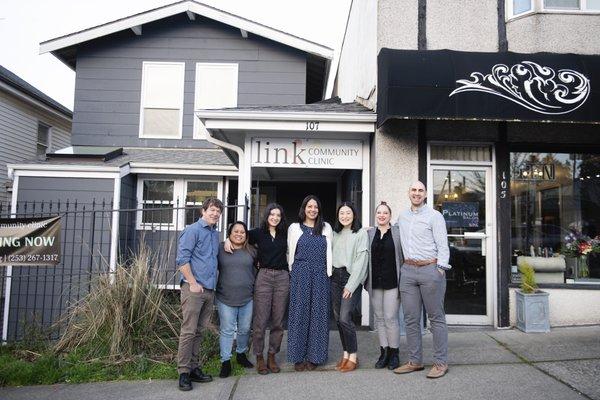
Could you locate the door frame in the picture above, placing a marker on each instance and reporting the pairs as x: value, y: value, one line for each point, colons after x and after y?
x: 491, y: 316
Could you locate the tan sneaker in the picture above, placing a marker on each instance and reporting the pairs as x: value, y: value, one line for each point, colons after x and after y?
x: 437, y: 371
x: 408, y: 368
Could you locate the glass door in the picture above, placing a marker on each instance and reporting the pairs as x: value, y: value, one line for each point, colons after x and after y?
x: 463, y: 195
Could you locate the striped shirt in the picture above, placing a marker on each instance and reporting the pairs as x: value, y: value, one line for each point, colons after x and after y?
x: 424, y: 236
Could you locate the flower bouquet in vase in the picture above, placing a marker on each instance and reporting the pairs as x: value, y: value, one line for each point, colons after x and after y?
x: 580, y: 246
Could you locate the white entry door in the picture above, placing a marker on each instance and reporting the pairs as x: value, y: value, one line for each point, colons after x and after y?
x: 463, y: 195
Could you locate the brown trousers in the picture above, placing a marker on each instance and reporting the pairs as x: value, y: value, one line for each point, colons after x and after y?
x: 197, y: 309
x: 271, y: 296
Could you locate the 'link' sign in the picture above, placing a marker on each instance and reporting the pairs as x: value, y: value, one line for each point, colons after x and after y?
x: 307, y: 153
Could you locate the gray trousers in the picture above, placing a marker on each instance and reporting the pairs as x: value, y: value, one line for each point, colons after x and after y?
x: 424, y: 286
x: 197, y: 310
x: 271, y: 294
x: 385, y: 309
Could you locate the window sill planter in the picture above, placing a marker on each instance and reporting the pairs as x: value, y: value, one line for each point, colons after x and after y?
x: 533, y: 312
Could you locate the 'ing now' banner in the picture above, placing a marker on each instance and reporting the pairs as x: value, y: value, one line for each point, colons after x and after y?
x: 30, y: 241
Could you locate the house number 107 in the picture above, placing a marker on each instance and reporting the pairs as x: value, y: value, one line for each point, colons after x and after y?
x: 312, y: 125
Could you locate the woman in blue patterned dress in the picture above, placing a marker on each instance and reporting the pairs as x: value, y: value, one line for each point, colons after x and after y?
x: 309, y: 259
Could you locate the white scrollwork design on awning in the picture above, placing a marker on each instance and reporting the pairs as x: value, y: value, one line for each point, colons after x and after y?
x: 535, y: 87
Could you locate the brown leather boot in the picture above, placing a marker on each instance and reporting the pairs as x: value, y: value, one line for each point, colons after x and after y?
x: 272, y: 364
x: 260, y: 365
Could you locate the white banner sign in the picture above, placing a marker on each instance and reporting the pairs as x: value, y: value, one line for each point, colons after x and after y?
x: 307, y: 153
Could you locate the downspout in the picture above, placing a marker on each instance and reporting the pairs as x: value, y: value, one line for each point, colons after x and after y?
x: 241, y: 163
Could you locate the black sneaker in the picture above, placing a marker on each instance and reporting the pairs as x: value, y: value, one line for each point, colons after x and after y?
x: 198, y: 376
x: 243, y: 360
x: 185, y: 383
x: 225, y: 369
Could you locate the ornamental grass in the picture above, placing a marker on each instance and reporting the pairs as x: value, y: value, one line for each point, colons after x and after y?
x: 125, y: 315
x: 528, y: 283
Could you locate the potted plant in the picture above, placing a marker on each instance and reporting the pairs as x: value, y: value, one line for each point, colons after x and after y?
x: 533, y: 310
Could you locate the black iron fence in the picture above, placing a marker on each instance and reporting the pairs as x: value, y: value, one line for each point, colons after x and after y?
x: 34, y: 298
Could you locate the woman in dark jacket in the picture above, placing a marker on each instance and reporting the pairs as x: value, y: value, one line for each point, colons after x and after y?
x: 383, y: 284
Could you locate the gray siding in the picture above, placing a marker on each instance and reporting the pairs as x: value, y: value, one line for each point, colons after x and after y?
x: 41, y: 294
x: 84, y: 190
x: 18, y: 134
x: 109, y: 76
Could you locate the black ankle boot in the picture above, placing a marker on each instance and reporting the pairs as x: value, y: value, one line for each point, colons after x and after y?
x: 394, y: 360
x: 384, y: 358
x: 225, y: 369
x: 243, y: 360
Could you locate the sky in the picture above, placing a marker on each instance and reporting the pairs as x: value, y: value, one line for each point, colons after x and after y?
x: 24, y: 24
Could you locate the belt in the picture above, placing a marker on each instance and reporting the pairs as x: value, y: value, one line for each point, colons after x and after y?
x: 420, y: 263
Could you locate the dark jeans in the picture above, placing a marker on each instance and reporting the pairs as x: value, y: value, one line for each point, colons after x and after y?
x: 342, y: 310
x: 271, y: 295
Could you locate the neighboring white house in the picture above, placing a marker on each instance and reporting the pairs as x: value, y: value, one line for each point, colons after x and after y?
x: 31, y: 125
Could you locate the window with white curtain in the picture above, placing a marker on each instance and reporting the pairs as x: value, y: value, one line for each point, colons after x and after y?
x: 216, y: 87
x: 161, y: 114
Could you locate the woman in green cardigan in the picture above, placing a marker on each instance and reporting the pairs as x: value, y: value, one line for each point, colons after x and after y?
x: 350, y: 259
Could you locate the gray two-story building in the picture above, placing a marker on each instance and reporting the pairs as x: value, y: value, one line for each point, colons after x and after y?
x: 173, y: 105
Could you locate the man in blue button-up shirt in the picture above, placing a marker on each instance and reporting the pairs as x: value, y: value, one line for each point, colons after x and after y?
x: 423, y: 281
x: 197, y: 261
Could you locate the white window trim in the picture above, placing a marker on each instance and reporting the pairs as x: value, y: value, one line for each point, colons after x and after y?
x: 179, y: 193
x: 537, y: 7
x: 199, y: 129
x: 142, y: 97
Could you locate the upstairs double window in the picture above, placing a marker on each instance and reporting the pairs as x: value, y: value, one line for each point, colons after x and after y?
x: 162, y: 96
x: 521, y: 7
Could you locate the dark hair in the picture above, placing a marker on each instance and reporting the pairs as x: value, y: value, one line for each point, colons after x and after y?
x: 243, y: 224
x: 281, y: 228
x: 355, y: 226
x: 384, y: 203
x: 212, y: 201
x: 319, y: 223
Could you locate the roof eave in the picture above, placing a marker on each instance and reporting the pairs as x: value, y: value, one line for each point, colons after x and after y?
x: 55, y: 45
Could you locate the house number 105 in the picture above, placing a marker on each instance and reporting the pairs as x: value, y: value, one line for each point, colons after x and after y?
x: 312, y: 125
x: 503, y: 186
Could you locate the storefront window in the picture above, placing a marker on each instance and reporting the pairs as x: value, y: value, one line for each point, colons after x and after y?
x: 555, y: 199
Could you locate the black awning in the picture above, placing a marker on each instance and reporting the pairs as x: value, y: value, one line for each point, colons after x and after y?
x: 445, y: 84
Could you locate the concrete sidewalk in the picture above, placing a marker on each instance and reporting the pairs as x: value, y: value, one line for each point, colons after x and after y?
x: 484, y: 364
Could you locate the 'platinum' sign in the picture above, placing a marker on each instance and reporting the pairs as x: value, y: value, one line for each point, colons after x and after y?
x: 307, y: 153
